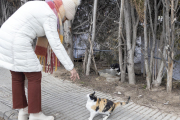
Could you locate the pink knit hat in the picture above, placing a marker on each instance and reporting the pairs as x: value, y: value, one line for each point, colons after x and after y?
x: 70, y: 8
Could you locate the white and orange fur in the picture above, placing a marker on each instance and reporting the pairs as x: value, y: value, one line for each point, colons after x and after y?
x: 101, y: 106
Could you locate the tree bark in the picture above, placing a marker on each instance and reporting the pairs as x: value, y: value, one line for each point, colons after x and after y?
x: 89, y: 55
x: 161, y: 66
x: 135, y: 22
x: 68, y: 41
x: 169, y: 82
x: 123, y: 74
x: 130, y: 51
x: 93, y: 37
x: 85, y: 61
x: 148, y: 73
x: 4, y: 9
x: 153, y: 30
x: 171, y: 53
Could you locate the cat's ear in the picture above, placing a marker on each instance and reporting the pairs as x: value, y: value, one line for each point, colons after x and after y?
x: 93, y: 97
x: 94, y: 93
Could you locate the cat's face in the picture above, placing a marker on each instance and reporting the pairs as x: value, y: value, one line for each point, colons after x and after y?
x: 92, y: 97
x: 112, y: 66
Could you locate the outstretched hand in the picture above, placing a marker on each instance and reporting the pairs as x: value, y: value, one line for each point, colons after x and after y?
x: 74, y: 74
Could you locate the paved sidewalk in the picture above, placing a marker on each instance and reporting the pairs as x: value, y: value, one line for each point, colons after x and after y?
x: 66, y: 101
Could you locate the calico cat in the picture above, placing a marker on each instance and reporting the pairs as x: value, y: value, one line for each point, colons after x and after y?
x: 101, y: 106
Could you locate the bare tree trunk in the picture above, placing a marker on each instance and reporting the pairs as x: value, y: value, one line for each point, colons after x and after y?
x: 135, y: 22
x: 128, y: 39
x: 89, y: 56
x: 171, y: 52
x: 68, y: 41
x: 153, y: 30
x: 158, y: 80
x: 85, y: 61
x: 4, y: 9
x: 131, y: 41
x: 170, y: 73
x: 123, y: 74
x: 93, y: 37
x: 125, y: 59
x: 92, y: 53
x: 148, y: 73
x: 161, y: 47
x: 169, y: 82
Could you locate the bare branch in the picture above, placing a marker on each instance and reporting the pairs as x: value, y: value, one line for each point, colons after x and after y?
x: 159, y: 4
x: 79, y: 33
x: 103, y: 22
x: 137, y: 22
x: 80, y: 24
x: 168, y: 49
x: 122, y: 36
x: 176, y: 4
x: 163, y: 3
x: 150, y: 17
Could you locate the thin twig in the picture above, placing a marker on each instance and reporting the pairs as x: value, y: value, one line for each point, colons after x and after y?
x: 81, y: 24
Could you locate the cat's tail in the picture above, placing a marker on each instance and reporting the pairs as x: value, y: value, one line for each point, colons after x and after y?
x: 122, y: 103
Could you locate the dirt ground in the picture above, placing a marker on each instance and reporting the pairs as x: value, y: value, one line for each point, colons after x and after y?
x: 156, y: 98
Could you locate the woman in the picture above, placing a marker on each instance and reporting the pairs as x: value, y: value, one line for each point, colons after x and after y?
x: 34, y: 19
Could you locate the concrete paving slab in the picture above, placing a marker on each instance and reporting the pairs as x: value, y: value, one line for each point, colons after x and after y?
x: 66, y: 101
x: 173, y: 117
x: 167, y: 117
x: 178, y: 118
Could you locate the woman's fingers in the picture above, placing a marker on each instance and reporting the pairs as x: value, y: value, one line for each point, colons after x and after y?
x: 74, y: 75
x: 78, y: 76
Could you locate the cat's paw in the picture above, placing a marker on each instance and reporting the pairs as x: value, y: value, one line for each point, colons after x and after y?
x: 104, y: 118
x: 119, y: 73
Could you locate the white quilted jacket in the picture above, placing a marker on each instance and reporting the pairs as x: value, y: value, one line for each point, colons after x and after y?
x: 34, y: 19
